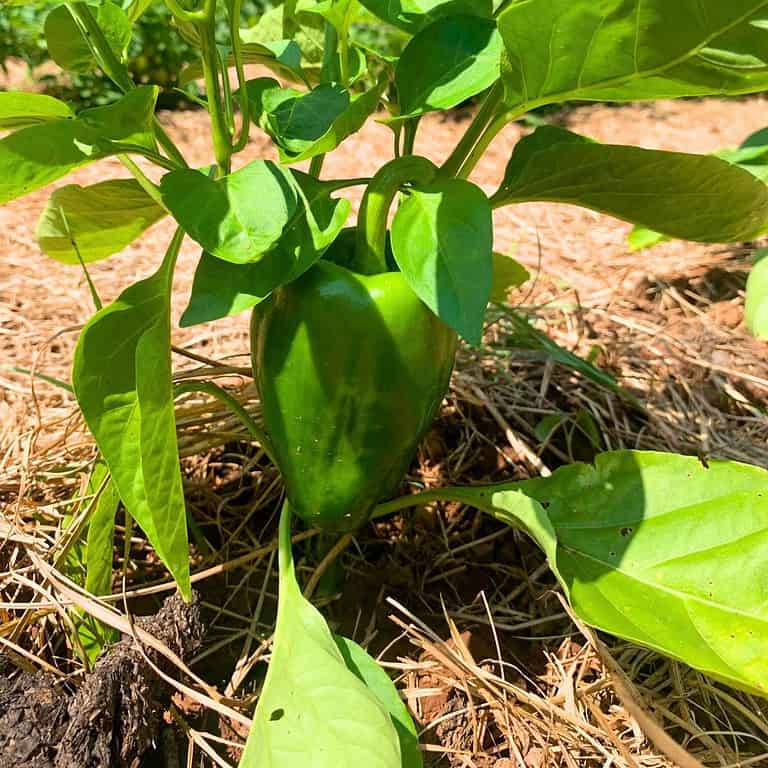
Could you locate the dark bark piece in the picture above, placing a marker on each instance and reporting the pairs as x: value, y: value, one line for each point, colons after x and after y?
x: 116, y: 714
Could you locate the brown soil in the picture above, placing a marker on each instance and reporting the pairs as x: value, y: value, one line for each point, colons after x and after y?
x: 666, y: 324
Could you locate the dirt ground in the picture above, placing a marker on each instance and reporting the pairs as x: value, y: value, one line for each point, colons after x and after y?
x: 466, y: 613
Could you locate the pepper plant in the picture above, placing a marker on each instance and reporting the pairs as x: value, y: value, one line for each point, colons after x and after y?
x: 355, y: 326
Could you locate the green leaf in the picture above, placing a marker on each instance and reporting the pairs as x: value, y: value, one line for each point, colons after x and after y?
x: 67, y: 46
x: 381, y: 686
x: 561, y: 50
x: 693, y: 197
x: 442, y: 239
x: 32, y: 157
x: 237, y: 218
x: 19, y: 109
x: 122, y: 381
x: 508, y: 273
x: 756, y: 300
x: 101, y: 531
x: 658, y: 549
x: 101, y: 220
x: 414, y: 15
x: 283, y: 57
x: 448, y: 62
x: 306, y: 124
x: 312, y: 709
x: 642, y: 237
x: 222, y: 289
x: 338, y: 13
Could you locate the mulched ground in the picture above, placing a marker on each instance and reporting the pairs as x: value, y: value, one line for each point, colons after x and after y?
x: 463, y: 611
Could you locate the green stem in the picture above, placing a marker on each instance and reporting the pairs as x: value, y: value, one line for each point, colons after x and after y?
x: 237, y: 52
x: 466, y: 495
x: 478, y: 125
x: 284, y: 544
x: 114, y: 69
x: 316, y: 166
x: 480, y: 148
x: 144, y: 182
x: 222, y: 144
x: 209, y: 388
x: 410, y: 129
x: 182, y: 14
x: 374, y: 209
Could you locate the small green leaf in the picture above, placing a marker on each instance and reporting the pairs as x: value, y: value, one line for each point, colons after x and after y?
x: 564, y: 50
x: 101, y: 530
x: 381, y: 686
x: 70, y: 50
x: 307, y: 124
x: 693, y: 197
x: 641, y: 238
x: 756, y: 301
x: 312, y: 709
x: 222, y: 289
x: 442, y: 239
x: 414, y: 15
x: 101, y: 220
x: 237, y: 218
x: 122, y: 380
x: 32, y: 157
x: 508, y: 273
x: 19, y: 109
x: 451, y: 60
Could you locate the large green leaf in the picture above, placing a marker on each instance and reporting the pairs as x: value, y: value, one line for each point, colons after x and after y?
x: 98, y: 221
x: 380, y: 685
x: 752, y: 156
x: 692, y: 197
x: 451, y: 60
x: 658, y: 549
x: 414, y: 15
x: 442, y: 240
x: 560, y: 50
x: 66, y: 44
x: 122, y: 380
x: 312, y: 709
x: 306, y: 124
x: 237, y: 218
x: 221, y: 288
x: 19, y: 109
x: 32, y: 157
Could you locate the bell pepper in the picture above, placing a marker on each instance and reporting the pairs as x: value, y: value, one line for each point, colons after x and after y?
x: 351, y: 368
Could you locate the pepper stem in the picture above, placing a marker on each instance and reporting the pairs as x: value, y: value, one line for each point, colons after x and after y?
x: 374, y: 209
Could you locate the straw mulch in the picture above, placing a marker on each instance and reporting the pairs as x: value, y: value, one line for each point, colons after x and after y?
x: 463, y: 611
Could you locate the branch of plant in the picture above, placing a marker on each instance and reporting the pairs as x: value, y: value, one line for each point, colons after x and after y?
x: 222, y: 139
x: 476, y: 129
x: 237, y: 53
x: 332, y: 554
x: 114, y: 69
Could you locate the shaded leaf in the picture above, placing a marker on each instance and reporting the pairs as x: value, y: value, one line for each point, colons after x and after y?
x: 756, y: 299
x: 414, y: 15
x: 508, y: 273
x: 693, y: 197
x: 66, y: 44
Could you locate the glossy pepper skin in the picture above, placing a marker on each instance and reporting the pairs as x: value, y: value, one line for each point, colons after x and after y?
x: 351, y: 370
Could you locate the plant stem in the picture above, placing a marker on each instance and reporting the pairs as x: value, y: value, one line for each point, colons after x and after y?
x: 209, y: 388
x: 467, y: 495
x: 489, y: 134
x: 237, y: 53
x: 144, y: 182
x: 114, y: 69
x: 409, y: 139
x: 284, y: 551
x: 222, y: 144
x: 478, y: 125
x: 316, y: 166
x: 371, y: 254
